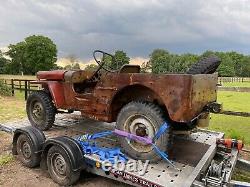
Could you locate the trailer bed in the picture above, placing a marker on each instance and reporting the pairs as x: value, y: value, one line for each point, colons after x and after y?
x: 192, y: 153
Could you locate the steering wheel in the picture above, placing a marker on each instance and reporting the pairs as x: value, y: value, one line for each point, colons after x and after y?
x: 101, y: 63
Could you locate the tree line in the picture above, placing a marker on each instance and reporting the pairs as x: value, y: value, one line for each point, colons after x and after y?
x: 232, y: 63
x: 38, y: 53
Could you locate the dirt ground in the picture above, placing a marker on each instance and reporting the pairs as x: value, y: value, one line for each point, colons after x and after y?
x: 14, y: 174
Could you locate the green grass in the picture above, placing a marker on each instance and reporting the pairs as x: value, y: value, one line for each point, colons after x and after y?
x: 235, y: 101
x: 236, y: 84
x: 5, y: 159
x: 12, y: 108
x: 233, y: 126
x: 29, y: 77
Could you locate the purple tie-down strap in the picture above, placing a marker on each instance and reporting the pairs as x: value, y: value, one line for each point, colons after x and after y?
x: 133, y: 136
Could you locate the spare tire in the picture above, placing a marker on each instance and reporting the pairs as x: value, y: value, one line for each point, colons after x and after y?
x: 206, y: 65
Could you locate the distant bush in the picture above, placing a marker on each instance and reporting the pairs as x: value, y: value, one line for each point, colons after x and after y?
x: 4, y: 90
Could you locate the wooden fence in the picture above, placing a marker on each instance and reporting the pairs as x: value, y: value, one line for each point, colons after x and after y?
x: 21, y: 85
x: 233, y: 79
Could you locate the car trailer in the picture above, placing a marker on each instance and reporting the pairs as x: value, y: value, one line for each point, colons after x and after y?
x: 200, y: 161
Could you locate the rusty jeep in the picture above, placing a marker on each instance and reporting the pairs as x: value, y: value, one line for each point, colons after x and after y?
x: 138, y: 102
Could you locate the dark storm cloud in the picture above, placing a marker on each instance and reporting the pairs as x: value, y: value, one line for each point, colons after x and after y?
x: 138, y: 26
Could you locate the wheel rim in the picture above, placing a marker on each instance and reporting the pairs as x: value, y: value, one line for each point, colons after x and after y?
x: 26, y: 150
x: 37, y: 112
x: 59, y: 166
x: 140, y: 125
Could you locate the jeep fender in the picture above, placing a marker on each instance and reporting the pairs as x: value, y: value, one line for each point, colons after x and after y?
x: 35, y: 135
x: 72, y: 149
x: 56, y: 90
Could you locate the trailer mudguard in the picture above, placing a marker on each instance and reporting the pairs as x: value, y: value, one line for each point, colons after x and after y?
x: 70, y: 146
x: 36, y: 136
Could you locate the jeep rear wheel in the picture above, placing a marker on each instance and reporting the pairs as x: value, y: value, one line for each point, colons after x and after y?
x: 143, y: 119
x: 40, y: 110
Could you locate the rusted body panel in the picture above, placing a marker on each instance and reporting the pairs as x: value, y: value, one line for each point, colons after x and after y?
x: 182, y: 96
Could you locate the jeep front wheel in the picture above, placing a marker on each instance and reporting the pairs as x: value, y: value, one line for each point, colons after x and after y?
x: 143, y: 119
x: 40, y: 110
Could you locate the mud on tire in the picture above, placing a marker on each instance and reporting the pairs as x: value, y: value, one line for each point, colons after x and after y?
x: 205, y: 66
x: 40, y: 110
x: 142, y: 119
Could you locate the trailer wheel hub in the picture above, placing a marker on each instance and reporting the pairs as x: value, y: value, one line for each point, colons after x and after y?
x: 26, y: 150
x: 59, y: 164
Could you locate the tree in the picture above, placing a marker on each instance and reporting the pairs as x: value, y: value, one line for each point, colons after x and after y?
x: 160, y: 61
x: 68, y: 67
x: 74, y: 66
x: 91, y: 67
x: 120, y: 58
x: 33, y: 54
x: 3, y: 63
x: 163, y: 61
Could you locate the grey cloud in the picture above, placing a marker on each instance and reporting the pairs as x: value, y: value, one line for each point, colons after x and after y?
x: 136, y: 26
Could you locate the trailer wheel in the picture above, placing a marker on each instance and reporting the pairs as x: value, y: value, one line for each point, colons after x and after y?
x: 143, y: 119
x: 40, y: 110
x: 206, y: 65
x: 26, y: 153
x: 60, y: 168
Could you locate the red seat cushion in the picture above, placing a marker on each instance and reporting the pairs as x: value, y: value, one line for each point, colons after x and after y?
x: 51, y: 75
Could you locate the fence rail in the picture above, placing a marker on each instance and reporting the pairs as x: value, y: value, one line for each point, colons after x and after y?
x: 21, y: 85
x: 233, y: 79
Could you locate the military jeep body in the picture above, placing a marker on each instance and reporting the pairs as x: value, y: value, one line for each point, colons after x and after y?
x: 138, y: 102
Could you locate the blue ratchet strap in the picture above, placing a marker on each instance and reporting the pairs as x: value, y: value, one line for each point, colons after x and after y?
x: 109, y: 154
x: 162, y: 154
x: 161, y: 131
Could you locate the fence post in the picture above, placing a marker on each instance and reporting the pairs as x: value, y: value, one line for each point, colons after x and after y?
x: 25, y: 90
x: 20, y: 85
x: 29, y: 87
x: 12, y: 87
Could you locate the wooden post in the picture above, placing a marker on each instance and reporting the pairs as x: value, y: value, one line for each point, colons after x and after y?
x: 12, y: 87
x: 25, y: 90
x: 20, y: 85
x: 29, y: 87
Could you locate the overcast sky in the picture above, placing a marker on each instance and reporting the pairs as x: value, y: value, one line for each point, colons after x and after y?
x: 135, y: 26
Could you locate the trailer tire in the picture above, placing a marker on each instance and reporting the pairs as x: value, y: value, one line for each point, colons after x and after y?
x: 60, y: 168
x: 26, y: 153
x: 44, y: 116
x: 143, y: 119
x: 206, y: 65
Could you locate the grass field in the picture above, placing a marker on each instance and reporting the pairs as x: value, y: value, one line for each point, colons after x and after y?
x: 236, y: 84
x: 12, y: 108
x: 235, y: 101
x: 233, y: 126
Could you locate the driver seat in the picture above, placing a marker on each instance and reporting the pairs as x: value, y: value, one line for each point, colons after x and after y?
x: 77, y: 76
x: 129, y: 68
